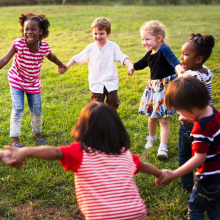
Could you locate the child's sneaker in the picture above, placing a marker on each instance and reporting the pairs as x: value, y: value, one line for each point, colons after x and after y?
x: 150, y: 142
x: 162, y: 153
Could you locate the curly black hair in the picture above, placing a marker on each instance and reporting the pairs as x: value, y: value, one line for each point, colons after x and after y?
x: 40, y: 19
x: 203, y: 44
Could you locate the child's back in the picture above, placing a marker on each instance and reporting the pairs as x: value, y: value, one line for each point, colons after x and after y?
x: 104, y: 184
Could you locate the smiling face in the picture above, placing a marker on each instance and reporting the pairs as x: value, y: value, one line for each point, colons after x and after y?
x: 151, y: 42
x: 189, y: 58
x: 32, y: 31
x: 100, y: 36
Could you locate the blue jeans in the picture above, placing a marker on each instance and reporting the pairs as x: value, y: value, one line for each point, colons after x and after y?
x: 34, y: 103
x: 204, y: 199
x: 185, y: 153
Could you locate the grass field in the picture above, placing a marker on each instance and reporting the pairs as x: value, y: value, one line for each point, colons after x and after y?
x: 42, y: 189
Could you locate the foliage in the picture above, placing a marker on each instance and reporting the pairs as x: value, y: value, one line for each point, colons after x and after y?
x: 109, y: 2
x: 44, y: 183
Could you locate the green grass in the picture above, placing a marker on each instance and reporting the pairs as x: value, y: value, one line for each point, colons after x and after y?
x: 45, y: 184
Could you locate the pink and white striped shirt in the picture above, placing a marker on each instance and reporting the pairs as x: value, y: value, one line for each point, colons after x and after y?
x: 104, y: 184
x: 25, y: 71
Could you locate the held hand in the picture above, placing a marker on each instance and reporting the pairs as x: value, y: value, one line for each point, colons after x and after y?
x: 61, y: 69
x: 159, y: 179
x: 130, y: 70
x: 185, y: 121
x: 17, y: 156
x: 179, y: 69
x: 6, y: 157
x: 168, y: 177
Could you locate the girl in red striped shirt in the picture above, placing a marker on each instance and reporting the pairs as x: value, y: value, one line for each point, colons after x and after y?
x: 102, y: 163
x: 29, y: 52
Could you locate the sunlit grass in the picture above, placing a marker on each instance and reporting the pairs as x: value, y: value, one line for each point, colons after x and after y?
x: 63, y: 96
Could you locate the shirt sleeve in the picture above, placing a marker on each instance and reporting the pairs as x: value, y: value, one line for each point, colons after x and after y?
x: 118, y: 55
x: 46, y: 48
x: 72, y: 157
x: 169, y: 56
x: 137, y: 162
x: 18, y: 44
x: 142, y: 63
x: 83, y: 56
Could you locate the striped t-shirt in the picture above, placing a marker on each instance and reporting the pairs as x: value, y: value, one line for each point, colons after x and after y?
x: 25, y: 71
x: 206, y: 79
x: 206, y: 135
x: 104, y: 184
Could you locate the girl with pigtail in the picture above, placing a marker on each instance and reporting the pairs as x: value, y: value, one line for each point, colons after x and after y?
x: 29, y: 52
x: 195, y: 52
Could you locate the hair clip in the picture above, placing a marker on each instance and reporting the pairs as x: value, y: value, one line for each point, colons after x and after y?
x: 39, y: 18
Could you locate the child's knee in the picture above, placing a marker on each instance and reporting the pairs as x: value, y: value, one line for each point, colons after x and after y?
x: 36, y: 108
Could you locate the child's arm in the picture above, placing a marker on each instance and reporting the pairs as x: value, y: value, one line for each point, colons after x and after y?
x: 42, y: 152
x: 70, y: 63
x: 179, y: 69
x: 127, y: 62
x: 5, y: 59
x: 53, y: 58
x: 196, y: 161
x: 152, y: 170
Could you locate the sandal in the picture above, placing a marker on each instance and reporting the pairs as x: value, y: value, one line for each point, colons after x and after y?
x: 16, y: 145
x: 40, y: 140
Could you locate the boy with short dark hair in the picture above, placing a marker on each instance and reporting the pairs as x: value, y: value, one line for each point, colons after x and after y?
x: 190, y: 98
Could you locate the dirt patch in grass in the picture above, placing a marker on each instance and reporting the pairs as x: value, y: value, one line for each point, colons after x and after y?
x: 28, y: 212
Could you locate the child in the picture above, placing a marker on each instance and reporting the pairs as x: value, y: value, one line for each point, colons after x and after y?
x: 162, y: 63
x: 191, y: 99
x: 102, y: 164
x: 24, y: 75
x: 101, y: 55
x: 195, y: 52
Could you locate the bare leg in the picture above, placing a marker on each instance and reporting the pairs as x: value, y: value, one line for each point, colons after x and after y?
x: 164, y: 136
x: 14, y: 140
x: 164, y: 130
x: 152, y: 126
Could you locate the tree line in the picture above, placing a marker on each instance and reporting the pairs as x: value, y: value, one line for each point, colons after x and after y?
x: 109, y: 2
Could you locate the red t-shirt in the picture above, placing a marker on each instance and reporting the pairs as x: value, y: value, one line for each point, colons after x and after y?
x: 104, y: 184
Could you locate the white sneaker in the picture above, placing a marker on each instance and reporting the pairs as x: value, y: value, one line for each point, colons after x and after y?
x: 162, y: 153
x: 150, y: 142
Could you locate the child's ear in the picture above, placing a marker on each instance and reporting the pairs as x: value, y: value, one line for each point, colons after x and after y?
x: 159, y: 38
x: 199, y: 59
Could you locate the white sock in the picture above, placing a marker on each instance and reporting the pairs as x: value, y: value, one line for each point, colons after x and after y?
x: 154, y: 137
x: 163, y: 146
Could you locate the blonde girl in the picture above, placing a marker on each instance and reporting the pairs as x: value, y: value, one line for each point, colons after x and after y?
x: 162, y: 63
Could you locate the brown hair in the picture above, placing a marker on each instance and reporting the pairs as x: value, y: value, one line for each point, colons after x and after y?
x: 102, y: 24
x: 100, y: 128
x: 186, y: 93
x: 155, y: 28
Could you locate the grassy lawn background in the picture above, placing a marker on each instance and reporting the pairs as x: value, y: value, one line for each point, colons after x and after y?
x: 42, y: 184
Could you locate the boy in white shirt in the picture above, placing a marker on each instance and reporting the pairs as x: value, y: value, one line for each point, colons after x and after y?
x: 101, y: 56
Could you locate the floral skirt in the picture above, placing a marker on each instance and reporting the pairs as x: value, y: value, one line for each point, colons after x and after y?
x: 153, y: 100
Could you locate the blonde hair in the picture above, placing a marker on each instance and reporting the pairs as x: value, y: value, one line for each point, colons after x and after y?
x: 102, y: 24
x: 155, y: 28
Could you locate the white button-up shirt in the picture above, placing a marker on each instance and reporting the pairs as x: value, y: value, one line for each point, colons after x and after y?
x: 102, y: 69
